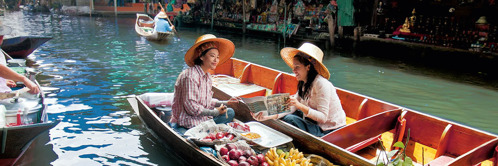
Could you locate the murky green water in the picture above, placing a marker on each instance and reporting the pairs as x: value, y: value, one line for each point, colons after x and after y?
x: 97, y: 61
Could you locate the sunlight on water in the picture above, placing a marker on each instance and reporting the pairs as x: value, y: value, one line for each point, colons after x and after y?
x: 96, y: 62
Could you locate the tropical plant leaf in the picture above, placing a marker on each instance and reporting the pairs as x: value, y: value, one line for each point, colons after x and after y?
x: 408, y: 161
x: 399, y: 145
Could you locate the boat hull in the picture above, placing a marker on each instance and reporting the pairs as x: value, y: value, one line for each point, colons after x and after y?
x: 21, y: 47
x: 184, y: 148
x: 16, y: 139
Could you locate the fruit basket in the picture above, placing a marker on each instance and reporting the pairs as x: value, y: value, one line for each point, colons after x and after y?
x: 209, y: 133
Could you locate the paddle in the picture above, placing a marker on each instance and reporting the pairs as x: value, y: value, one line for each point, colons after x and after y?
x: 167, y: 17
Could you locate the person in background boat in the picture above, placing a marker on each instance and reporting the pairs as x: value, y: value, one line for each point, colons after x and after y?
x: 162, y: 25
x: 317, y: 106
x: 9, y: 76
x: 193, y: 101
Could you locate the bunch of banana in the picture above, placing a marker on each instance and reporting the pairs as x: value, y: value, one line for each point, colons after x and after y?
x: 276, y: 157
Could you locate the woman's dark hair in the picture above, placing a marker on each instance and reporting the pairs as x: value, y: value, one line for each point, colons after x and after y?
x: 312, y: 73
x: 198, y: 61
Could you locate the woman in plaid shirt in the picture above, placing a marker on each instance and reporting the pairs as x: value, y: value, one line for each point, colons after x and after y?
x: 193, y: 102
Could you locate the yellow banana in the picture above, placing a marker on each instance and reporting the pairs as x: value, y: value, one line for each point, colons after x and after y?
x: 268, y: 160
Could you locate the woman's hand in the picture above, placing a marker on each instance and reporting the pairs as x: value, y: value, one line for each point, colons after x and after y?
x: 33, y: 89
x: 260, y: 116
x: 233, y: 101
x: 297, y: 105
x: 222, y: 109
x: 11, y: 83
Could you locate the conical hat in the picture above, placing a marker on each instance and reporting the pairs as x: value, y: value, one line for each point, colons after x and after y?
x: 225, y: 47
x: 314, y: 52
x: 162, y: 15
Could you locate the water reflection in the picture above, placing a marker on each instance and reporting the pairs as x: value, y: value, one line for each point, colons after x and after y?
x: 94, y: 62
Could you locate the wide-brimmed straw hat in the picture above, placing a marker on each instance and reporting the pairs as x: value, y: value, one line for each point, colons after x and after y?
x: 162, y: 15
x: 225, y: 47
x: 315, y: 56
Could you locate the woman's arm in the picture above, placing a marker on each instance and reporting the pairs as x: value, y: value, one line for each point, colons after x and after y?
x: 7, y: 73
x: 322, y: 98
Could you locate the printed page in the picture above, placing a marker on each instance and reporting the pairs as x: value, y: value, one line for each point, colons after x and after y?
x: 255, y: 104
x: 276, y: 103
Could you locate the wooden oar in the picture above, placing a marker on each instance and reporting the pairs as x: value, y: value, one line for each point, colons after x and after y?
x: 167, y: 17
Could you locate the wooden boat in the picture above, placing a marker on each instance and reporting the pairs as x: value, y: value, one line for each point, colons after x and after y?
x: 189, y: 150
x: 15, y: 140
x: 444, y: 142
x: 368, y: 119
x: 144, y: 26
x: 22, y: 46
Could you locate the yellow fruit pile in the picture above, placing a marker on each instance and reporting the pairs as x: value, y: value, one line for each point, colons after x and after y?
x: 278, y: 157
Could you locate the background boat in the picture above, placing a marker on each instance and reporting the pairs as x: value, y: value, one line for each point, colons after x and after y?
x: 15, y: 138
x: 22, y: 46
x: 144, y: 26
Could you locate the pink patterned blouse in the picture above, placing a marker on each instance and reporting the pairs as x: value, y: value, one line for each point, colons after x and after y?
x: 193, y: 94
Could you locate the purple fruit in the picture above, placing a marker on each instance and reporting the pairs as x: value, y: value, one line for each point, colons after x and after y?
x: 253, y: 160
x: 261, y: 158
x: 226, y: 158
x: 233, y: 154
x: 231, y: 146
x: 264, y: 163
x: 243, y: 163
x: 233, y: 163
x: 223, y: 151
x: 248, y: 153
x: 242, y: 158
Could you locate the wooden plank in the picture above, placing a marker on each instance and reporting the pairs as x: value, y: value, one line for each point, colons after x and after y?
x: 363, y: 129
x: 478, y: 154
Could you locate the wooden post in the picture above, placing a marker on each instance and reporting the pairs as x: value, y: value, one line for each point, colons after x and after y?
x: 331, y: 25
x: 115, y: 8
x: 91, y: 7
x: 212, y: 14
x: 373, y: 21
x: 285, y: 22
x: 243, y: 16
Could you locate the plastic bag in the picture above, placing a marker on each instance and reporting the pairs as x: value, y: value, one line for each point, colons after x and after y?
x: 157, y: 99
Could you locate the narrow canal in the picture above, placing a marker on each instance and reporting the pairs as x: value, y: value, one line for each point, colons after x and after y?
x: 96, y: 61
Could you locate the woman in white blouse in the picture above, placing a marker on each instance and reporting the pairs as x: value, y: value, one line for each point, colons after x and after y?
x: 318, y: 108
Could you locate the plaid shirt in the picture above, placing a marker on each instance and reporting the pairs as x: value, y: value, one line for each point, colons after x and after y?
x: 193, y: 94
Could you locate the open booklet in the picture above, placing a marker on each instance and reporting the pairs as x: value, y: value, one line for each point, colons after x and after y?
x: 273, y: 104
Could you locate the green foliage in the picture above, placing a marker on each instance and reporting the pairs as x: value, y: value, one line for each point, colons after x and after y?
x: 401, y: 159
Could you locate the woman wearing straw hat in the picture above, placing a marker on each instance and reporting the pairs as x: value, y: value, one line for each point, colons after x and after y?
x: 193, y: 102
x: 318, y: 108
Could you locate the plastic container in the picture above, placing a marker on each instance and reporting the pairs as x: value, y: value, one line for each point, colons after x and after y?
x: 28, y: 107
x: 165, y: 113
x: 2, y: 116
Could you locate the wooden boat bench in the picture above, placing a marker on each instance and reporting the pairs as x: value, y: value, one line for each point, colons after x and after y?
x: 244, y: 79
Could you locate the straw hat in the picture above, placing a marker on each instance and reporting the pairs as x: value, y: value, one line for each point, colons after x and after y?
x: 315, y: 54
x: 225, y: 47
x: 162, y: 15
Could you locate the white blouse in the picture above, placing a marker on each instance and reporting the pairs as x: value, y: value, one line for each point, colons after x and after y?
x: 324, y: 105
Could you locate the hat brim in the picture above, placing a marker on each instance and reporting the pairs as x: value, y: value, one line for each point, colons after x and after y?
x: 288, y: 54
x: 226, y: 49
